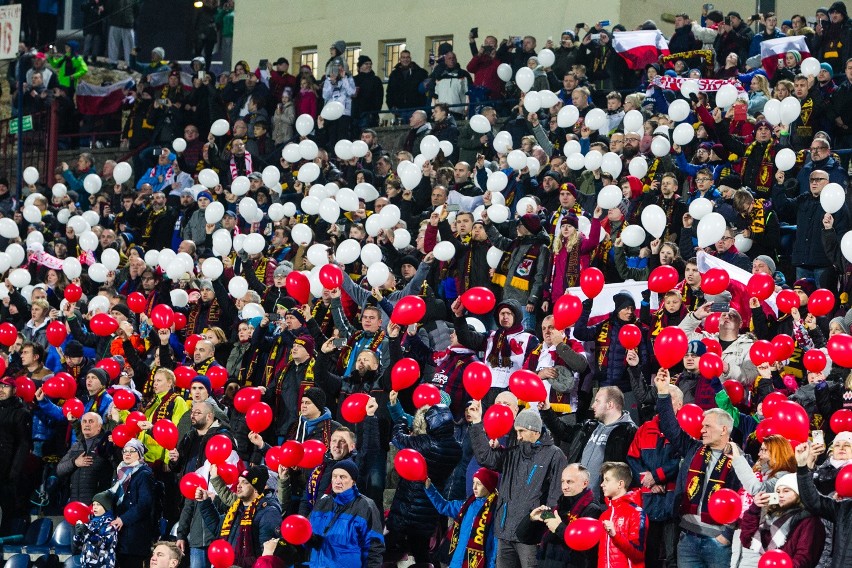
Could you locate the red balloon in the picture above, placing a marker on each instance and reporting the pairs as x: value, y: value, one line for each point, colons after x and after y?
x: 840, y: 350
x: 273, y: 458
x: 527, y: 386
x: 662, y: 279
x: 228, y: 472
x: 136, y: 302
x: 690, y: 417
x: 821, y: 302
x: 245, y: 398
x: 122, y: 434
x: 57, y: 387
x: 296, y: 529
x: 670, y: 346
x: 711, y: 365
x: 134, y: 418
x: 725, y: 506
x: 354, y: 407
x: 715, y: 281
x: 103, y: 325
x: 584, y: 533
x: 814, y: 360
x: 218, y: 376
x: 190, y: 342
x: 184, y: 376
x: 291, y: 453
x: 75, y: 512
x: 3, y: 365
x: 770, y: 403
x: 761, y: 286
x: 761, y: 352
x: 782, y: 347
x: 74, y: 407
x: 410, y: 465
x: 711, y: 322
x: 786, y: 300
x: 56, y: 333
x: 73, y: 293
x: 478, y: 300
x: 477, y: 380
x: 404, y: 374
x: 843, y: 482
x: 8, y: 334
x: 566, y: 311
x: 767, y: 427
x: 498, y: 421
x: 218, y: 449
x: 259, y: 417
x: 331, y: 276
x: 220, y: 553
x: 162, y: 316
x: 712, y: 345
x: 408, y: 310
x: 25, y: 389
x: 630, y: 336
x: 775, y: 559
x: 426, y: 394
x: 841, y: 421
x: 180, y: 321
x: 313, y: 452
x: 591, y: 282
x: 123, y: 399
x: 793, y: 420
x: 190, y: 482
x: 166, y: 434
x: 111, y: 366
x: 735, y: 391
x: 298, y: 286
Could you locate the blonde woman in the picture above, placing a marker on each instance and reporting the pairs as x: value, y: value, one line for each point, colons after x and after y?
x: 572, y: 252
x: 166, y: 405
x: 758, y: 94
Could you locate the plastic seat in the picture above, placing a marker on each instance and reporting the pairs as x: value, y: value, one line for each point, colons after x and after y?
x: 74, y: 562
x: 38, y: 534
x: 18, y: 561
x: 60, y: 542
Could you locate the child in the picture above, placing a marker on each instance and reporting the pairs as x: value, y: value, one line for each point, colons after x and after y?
x: 98, y: 538
x: 624, y: 521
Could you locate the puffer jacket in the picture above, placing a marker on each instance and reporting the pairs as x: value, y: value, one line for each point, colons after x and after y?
x: 351, y: 529
x: 652, y: 452
x: 86, y: 482
x: 627, y: 548
x: 411, y: 509
x: 529, y: 473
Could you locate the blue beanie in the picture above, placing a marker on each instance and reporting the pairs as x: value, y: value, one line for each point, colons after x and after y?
x: 827, y: 67
x: 204, y: 194
x: 205, y: 382
x: 671, y: 73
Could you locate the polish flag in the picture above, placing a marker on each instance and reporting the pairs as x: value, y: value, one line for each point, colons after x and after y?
x: 771, y: 50
x: 639, y: 48
x: 96, y: 100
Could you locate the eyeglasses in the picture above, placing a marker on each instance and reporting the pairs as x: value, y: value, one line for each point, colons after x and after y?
x: 128, y: 451
x: 812, y: 180
x: 726, y: 239
x: 818, y: 148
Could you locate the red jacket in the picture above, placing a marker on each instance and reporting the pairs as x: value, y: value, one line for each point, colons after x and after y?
x: 627, y: 548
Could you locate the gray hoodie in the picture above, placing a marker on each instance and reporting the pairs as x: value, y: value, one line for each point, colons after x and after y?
x: 593, y: 453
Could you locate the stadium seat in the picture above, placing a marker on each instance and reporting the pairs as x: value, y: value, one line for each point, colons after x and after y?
x: 37, y: 535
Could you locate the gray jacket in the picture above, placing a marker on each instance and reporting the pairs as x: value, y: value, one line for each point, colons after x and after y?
x: 195, y: 229
x: 518, y: 248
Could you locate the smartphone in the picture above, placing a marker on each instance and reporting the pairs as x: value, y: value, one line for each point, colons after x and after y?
x: 474, y: 32
x: 741, y: 112
x: 547, y: 515
x: 708, y: 7
x: 263, y: 63
x: 720, y: 307
x: 201, y: 75
x: 755, y: 17
x: 818, y: 437
x: 604, y: 23
x: 412, y: 329
x: 339, y: 342
x: 773, y: 498
x: 452, y: 207
x: 580, y: 26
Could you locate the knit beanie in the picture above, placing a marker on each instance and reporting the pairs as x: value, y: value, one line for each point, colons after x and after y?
x: 257, y: 476
x: 308, y: 343
x: 796, y: 55
x: 623, y: 300
x: 532, y: 222
x: 316, y: 396
x: 529, y: 420
x: 569, y: 220
x: 101, y: 374
x: 203, y: 381
x: 768, y: 261
x: 788, y: 480
x: 105, y: 499
x: 135, y: 444
x: 159, y: 52
x: 348, y: 466
x: 487, y: 477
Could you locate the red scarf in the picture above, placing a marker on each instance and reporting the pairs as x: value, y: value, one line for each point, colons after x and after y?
x: 501, y: 352
x: 474, y: 553
x: 695, y: 493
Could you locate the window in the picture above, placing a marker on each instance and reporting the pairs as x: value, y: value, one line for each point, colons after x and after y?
x: 308, y: 56
x: 433, y: 43
x: 353, y: 52
x: 390, y: 54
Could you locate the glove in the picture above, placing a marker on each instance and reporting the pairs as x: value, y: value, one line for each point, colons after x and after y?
x: 587, y: 304
x: 646, y: 296
x: 80, y: 529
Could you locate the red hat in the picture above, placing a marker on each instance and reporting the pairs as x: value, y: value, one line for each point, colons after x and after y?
x: 8, y: 381
x: 487, y: 477
x: 532, y: 222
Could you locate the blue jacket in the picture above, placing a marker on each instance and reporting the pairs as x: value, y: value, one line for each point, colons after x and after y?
x: 347, y: 531
x: 834, y: 169
x: 451, y: 509
x: 48, y: 426
x: 151, y: 176
x: 652, y: 452
x: 136, y: 511
x: 54, y: 411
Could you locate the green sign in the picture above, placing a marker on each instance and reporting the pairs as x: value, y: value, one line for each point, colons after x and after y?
x: 28, y: 124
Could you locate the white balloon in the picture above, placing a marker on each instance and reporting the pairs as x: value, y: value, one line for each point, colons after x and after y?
x: 167, y: 255
x: 373, y: 225
x: 516, y: 159
x: 219, y: 127
x: 504, y: 71
x: 308, y: 149
x: 332, y: 110
x: 791, y: 109
x: 222, y: 242
x: 810, y: 66
x: 78, y: 224
x: 576, y: 161
x: 271, y: 177
x: 632, y: 121
x: 726, y: 95
x: 534, y: 166
x: 479, y: 124
x: 343, y: 150
x: 679, y: 110
x: 498, y: 213
x: 63, y: 215
x: 98, y: 272
x: 212, y: 268
x: 683, y: 134
x: 371, y: 254
x: 568, y: 117
x: 346, y: 199
x: 91, y: 218
x: 247, y: 207
x: 308, y: 172
x: 92, y: 183
x: 110, y: 258
x: 430, y: 146
x: 832, y: 197
x: 214, y: 213
x: 638, y: 167
x: 347, y: 251
x: 611, y: 164
x: 772, y: 112
x: 275, y: 212
x: 254, y: 243
x: 444, y: 251
x: 494, y: 256
x: 151, y: 259
x: 179, y: 298
x: 595, y: 119
x: 35, y: 237
x: 310, y: 204
x: 123, y: 171
x: 525, y: 205
x: 710, y: 229
x: 289, y: 209
x: 700, y: 208
x: 329, y: 210
x: 252, y: 310
x: 689, y: 87
x: 410, y: 177
x: 32, y: 214
x: 446, y: 148
x: 238, y: 241
x: 654, y: 220
x: 258, y: 216
x: 503, y: 142
x: 660, y: 146
x: 179, y: 145
x: 785, y: 159
x: 318, y: 190
x: 16, y: 255
x: 497, y: 182
x: 367, y: 192
x: 546, y: 58
x: 524, y: 79
x: 318, y: 254
x: 304, y: 124
x: 98, y: 304
x: 532, y: 101
x: 238, y: 287
x: 378, y: 274
x: 208, y: 178
x: 5, y: 263
x: 592, y: 160
x: 846, y: 246
x: 88, y: 241
x: 609, y: 197
x: 175, y: 270
x: 19, y: 277
x: 301, y: 234
x: 390, y: 216
x: 30, y: 175
x: 633, y: 236
x: 401, y: 238
x: 240, y: 186
x: 742, y: 243
x: 60, y: 190
x: 359, y: 148
x: 291, y: 153
x: 549, y: 99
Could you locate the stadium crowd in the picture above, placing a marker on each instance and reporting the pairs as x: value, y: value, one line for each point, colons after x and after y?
x: 583, y: 312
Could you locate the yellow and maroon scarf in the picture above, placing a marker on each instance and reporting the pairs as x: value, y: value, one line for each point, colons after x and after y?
x: 475, y: 548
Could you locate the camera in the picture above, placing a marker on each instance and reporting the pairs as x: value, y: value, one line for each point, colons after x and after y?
x: 519, y: 42
x: 773, y: 499
x: 487, y: 48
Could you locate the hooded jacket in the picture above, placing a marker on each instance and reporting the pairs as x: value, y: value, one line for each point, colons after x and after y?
x: 347, y: 531
x: 837, y: 512
x: 517, y: 249
x: 627, y: 548
x: 650, y: 451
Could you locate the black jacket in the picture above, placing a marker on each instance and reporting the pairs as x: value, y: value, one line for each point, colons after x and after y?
x: 404, y: 87
x: 370, y: 92
x: 86, y: 482
x: 577, y: 435
x: 15, y: 436
x: 838, y: 512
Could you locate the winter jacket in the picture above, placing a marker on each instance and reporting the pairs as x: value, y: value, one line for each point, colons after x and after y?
x: 831, y: 166
x: 36, y: 334
x: 837, y: 512
x: 627, y: 548
x: 86, y: 482
x: 98, y: 540
x: 650, y: 451
x: 451, y: 509
x: 136, y: 510
x: 347, y: 529
x: 411, y: 509
x: 529, y: 474
x: 342, y: 91
x: 196, y: 229
x: 734, y: 355
x: 370, y: 93
x: 15, y: 438
x: 805, y: 538
x: 49, y: 428
x: 63, y: 77
x: 517, y: 249
x: 404, y: 87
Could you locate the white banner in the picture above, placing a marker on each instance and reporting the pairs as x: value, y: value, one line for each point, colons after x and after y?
x: 10, y: 30
x: 603, y: 304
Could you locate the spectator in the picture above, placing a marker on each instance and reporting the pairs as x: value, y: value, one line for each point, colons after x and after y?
x: 121, y: 17
x: 90, y: 461
x: 99, y: 537
x: 134, y: 493
x: 370, y: 93
x: 15, y: 443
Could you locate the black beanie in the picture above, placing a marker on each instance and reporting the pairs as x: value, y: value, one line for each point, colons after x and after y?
x: 317, y: 396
